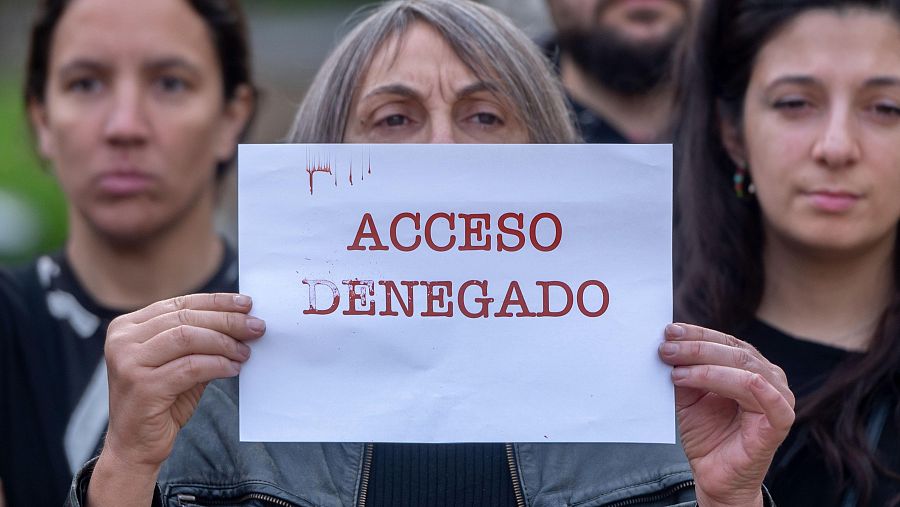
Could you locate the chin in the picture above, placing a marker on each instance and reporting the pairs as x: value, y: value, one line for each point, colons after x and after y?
x: 125, y: 229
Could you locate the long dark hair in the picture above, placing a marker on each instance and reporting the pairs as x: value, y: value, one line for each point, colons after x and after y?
x: 720, y: 238
x: 224, y: 19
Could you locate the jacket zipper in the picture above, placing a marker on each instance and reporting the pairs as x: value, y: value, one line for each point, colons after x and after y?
x: 514, y: 475
x: 193, y: 500
x: 655, y: 497
x: 366, y: 471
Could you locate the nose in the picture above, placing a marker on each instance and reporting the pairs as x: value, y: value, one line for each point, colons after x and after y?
x: 127, y: 123
x: 442, y: 131
x: 838, y: 144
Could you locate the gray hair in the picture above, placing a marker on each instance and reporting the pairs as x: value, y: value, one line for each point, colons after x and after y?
x: 486, y: 42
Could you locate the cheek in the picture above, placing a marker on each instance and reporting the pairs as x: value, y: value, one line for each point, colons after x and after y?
x: 773, y: 150
x: 73, y: 143
x: 189, y: 142
x: 889, y: 187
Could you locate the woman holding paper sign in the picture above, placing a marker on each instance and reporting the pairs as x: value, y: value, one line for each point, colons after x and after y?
x: 790, y: 208
x: 415, y: 71
x: 138, y: 107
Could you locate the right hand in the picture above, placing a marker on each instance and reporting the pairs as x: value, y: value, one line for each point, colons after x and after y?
x: 159, y: 360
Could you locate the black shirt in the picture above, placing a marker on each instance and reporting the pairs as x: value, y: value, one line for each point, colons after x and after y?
x: 53, y: 389
x: 798, y: 475
x: 440, y: 475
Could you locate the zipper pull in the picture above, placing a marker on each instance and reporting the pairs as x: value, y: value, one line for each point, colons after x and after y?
x: 186, y: 499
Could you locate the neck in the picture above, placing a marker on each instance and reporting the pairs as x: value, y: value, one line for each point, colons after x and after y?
x: 130, y: 275
x: 834, y: 301
x: 643, y: 118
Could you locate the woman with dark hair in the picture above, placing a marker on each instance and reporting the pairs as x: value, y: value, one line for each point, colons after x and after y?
x: 421, y: 71
x: 789, y: 180
x: 138, y: 107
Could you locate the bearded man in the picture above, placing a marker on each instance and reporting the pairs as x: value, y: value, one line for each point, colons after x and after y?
x: 616, y: 59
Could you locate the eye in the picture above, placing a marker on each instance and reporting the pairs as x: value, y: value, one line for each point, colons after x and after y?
x: 396, y: 120
x: 393, y: 120
x: 487, y: 119
x: 791, y: 104
x: 887, y: 109
x: 85, y: 85
x: 172, y: 84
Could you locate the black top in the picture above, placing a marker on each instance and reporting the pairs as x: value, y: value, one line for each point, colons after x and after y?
x: 53, y: 389
x: 440, y: 475
x: 593, y: 128
x: 798, y: 475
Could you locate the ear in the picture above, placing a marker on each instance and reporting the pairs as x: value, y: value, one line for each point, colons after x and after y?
x: 237, y: 114
x: 732, y: 139
x: 37, y: 113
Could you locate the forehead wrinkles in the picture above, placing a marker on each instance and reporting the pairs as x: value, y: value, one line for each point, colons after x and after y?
x: 440, y: 63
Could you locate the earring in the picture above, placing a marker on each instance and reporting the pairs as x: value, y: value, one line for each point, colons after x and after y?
x: 741, y: 177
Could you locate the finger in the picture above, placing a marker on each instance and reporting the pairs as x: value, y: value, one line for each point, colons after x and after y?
x: 221, y: 302
x: 732, y: 383
x: 778, y: 411
x: 182, y: 374
x: 186, y: 340
x: 234, y: 324
x: 688, y: 353
x: 680, y: 332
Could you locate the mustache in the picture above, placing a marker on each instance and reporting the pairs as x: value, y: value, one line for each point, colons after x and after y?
x: 602, y: 5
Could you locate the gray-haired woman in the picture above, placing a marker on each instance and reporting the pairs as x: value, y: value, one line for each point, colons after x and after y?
x: 418, y: 71
x: 498, y: 57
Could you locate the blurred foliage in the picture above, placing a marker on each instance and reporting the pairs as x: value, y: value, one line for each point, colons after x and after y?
x: 22, y: 174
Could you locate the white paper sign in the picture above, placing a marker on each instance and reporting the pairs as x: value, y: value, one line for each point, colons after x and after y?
x: 457, y: 293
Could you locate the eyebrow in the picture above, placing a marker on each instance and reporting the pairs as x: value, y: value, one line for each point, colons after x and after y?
x: 880, y: 81
x: 480, y: 86
x: 170, y: 62
x: 83, y: 64
x: 405, y: 91
x: 802, y: 79
x: 394, y: 89
x: 799, y: 79
x: 152, y: 65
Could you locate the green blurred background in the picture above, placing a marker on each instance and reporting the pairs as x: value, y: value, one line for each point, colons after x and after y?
x: 290, y: 38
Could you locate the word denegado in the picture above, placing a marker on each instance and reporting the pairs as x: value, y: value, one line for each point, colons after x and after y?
x: 439, y: 301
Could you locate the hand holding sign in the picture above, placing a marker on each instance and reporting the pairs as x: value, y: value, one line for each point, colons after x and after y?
x: 159, y: 360
x: 734, y: 409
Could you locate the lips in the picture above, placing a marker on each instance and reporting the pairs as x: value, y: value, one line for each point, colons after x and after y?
x: 833, y: 201
x: 124, y: 183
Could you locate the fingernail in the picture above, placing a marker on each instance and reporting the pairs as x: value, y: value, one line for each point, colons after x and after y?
x: 242, y: 300
x: 669, y: 349
x: 236, y: 366
x: 674, y: 330
x: 256, y: 325
x: 679, y: 373
x: 243, y: 350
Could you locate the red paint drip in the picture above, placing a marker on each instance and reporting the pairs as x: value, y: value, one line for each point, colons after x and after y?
x: 318, y: 167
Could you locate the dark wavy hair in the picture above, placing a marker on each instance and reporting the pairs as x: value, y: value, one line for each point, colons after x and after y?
x: 720, y: 238
x: 224, y: 19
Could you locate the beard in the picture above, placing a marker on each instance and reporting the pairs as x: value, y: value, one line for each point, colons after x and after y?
x: 622, y: 65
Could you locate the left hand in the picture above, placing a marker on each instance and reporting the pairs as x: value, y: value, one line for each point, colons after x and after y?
x: 734, y: 409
